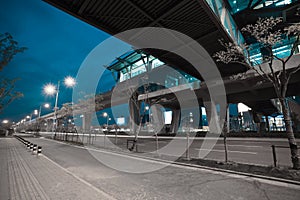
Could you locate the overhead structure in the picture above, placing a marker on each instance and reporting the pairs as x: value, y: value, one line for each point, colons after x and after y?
x: 248, y: 11
x: 194, y: 18
x: 205, y: 21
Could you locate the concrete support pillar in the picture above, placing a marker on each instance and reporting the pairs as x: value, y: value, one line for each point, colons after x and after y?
x: 227, y: 125
x: 261, y: 125
x: 200, y: 125
x: 86, y: 122
x: 175, y: 120
x: 158, y: 118
x: 53, y: 124
x: 49, y: 125
x: 212, y: 117
x: 267, y: 124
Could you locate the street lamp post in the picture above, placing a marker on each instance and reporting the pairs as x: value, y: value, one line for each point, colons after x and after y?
x: 107, y: 118
x: 55, y: 109
x: 47, y: 105
x: 5, y: 123
x: 190, y: 122
x: 51, y: 89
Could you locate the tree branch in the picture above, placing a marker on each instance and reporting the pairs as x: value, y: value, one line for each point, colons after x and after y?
x: 293, y: 72
x: 293, y: 49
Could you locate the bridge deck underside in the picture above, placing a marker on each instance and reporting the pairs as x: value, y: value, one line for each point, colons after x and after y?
x: 193, y: 18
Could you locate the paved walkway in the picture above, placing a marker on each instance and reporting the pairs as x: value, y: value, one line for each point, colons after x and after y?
x: 26, y: 176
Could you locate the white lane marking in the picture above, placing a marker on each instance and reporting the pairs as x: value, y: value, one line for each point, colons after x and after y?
x: 216, y: 150
x: 80, y: 179
x: 195, y: 167
x: 239, y: 145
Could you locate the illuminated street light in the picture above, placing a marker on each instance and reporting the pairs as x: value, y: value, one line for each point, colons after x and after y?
x: 5, y: 121
x: 105, y: 114
x: 50, y: 89
x: 69, y: 81
x: 107, y: 118
x: 46, y: 105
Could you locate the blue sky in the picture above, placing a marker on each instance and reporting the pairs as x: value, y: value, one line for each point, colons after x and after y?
x: 57, y: 45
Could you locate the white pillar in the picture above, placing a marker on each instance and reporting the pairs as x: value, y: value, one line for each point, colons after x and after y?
x: 86, y: 122
x: 212, y: 117
x: 175, y: 120
x: 158, y: 117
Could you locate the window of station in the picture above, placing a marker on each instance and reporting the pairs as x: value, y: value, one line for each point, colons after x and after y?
x: 283, y: 51
x: 138, y: 68
x: 156, y: 63
x: 176, y: 79
x: 239, y: 5
x: 273, y: 3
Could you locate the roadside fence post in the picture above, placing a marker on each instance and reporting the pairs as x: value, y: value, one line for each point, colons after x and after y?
x: 274, y: 156
x: 39, y: 150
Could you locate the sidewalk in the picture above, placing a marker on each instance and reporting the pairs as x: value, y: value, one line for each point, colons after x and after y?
x: 26, y: 176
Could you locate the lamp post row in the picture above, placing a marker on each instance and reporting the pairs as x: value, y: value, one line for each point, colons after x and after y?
x: 51, y: 89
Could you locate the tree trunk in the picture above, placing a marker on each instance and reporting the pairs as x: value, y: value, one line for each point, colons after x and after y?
x: 225, y: 131
x: 290, y: 134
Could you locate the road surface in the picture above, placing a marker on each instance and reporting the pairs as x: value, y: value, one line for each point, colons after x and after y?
x: 169, y: 182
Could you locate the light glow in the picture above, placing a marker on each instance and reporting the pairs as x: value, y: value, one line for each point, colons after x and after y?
x: 49, y: 89
x: 69, y: 81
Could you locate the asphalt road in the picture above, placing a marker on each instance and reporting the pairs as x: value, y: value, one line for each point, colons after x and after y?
x: 168, y: 182
x: 245, y: 150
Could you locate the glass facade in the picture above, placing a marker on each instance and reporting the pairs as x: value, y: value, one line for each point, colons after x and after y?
x: 240, y: 5
x: 282, y: 50
x: 135, y: 65
x: 257, y: 52
x: 219, y: 8
x: 132, y: 64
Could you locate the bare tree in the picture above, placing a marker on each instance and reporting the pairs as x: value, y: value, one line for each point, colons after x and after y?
x: 268, y: 34
x: 225, y: 130
x: 8, y: 49
x: 135, y: 106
